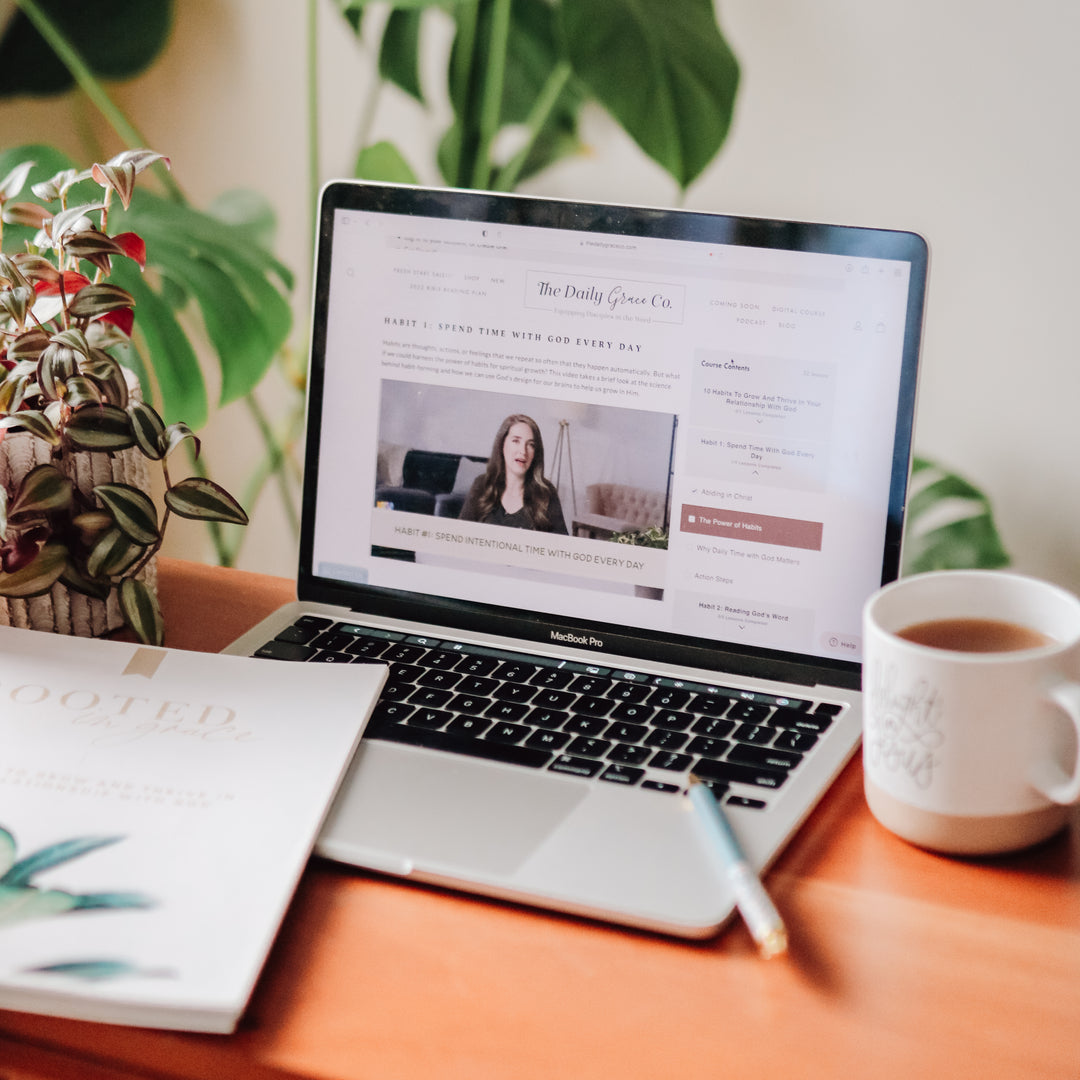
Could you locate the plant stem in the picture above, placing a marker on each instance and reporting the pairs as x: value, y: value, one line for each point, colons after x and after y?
x: 258, y: 480
x: 368, y: 109
x: 494, y: 76
x: 461, y: 74
x: 100, y: 274
x: 538, y: 117
x: 276, y: 458
x: 71, y: 59
x: 221, y: 550
x: 136, y: 568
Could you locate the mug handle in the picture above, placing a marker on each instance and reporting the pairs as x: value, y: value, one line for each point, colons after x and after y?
x: 1049, y: 777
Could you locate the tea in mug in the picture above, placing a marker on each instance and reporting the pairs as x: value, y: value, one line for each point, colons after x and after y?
x: 974, y: 635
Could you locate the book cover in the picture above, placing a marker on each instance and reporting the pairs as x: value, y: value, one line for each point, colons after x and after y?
x: 157, y: 808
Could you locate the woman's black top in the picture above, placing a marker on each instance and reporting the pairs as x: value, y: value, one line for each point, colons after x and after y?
x: 519, y: 519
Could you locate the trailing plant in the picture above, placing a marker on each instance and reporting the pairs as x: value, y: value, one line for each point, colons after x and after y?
x: 520, y: 71
x: 195, y: 260
x: 62, y: 317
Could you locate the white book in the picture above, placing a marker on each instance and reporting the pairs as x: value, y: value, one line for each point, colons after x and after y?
x: 157, y: 808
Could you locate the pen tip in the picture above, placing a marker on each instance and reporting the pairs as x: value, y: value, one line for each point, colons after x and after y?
x: 774, y: 943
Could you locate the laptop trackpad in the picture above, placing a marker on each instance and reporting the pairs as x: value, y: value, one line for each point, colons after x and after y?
x: 400, y: 807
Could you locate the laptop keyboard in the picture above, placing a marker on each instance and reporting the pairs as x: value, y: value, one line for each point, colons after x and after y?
x: 609, y: 724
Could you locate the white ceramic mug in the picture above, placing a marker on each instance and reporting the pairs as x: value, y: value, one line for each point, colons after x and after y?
x: 971, y: 752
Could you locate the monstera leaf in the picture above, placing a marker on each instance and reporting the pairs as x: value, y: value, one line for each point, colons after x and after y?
x: 663, y: 71
x: 950, y: 524
x: 525, y: 68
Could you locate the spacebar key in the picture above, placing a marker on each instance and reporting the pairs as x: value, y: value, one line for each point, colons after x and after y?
x: 508, y: 753
x: 725, y: 772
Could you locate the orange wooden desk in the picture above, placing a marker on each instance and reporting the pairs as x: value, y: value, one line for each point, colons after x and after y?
x: 904, y: 964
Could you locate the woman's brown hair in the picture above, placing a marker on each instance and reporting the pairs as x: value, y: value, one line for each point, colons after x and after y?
x: 538, y: 490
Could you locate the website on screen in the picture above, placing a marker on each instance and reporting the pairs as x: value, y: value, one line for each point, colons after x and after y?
x: 690, y: 437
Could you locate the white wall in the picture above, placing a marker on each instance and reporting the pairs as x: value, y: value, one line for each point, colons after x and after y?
x: 955, y: 119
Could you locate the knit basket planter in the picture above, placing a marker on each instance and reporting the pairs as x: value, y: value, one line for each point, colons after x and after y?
x: 62, y: 610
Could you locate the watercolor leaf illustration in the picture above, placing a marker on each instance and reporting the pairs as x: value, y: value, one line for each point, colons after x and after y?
x: 96, y: 970
x: 21, y: 899
x: 7, y: 851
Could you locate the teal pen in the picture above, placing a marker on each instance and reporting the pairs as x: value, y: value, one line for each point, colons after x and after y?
x: 757, y: 909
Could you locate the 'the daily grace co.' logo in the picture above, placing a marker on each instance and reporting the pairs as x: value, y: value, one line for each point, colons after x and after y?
x: 651, y: 300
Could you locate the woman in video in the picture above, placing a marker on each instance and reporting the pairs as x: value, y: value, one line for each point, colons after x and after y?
x: 513, y: 491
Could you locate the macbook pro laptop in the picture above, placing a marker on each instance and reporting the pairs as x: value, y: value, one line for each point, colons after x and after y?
x: 606, y: 487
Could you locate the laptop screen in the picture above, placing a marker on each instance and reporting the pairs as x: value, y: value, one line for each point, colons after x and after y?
x: 662, y: 433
